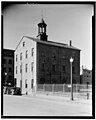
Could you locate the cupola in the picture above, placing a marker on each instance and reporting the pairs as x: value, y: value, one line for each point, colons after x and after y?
x: 42, y: 30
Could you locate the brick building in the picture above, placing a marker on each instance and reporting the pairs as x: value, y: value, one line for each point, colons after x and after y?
x: 86, y: 77
x: 8, y: 67
x: 40, y: 61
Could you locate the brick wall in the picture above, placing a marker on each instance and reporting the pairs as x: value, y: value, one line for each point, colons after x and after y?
x: 51, y: 57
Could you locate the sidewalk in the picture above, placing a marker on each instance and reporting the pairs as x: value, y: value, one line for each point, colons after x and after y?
x: 59, y: 98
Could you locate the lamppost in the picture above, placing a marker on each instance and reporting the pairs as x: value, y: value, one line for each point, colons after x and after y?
x: 71, y: 60
x: 21, y: 78
x: 5, y: 78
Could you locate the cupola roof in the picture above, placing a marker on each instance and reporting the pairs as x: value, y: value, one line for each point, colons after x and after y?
x: 42, y: 23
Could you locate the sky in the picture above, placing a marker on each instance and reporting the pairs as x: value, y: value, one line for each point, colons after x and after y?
x: 65, y: 22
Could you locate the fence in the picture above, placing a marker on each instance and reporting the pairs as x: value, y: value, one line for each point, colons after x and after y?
x: 79, y: 91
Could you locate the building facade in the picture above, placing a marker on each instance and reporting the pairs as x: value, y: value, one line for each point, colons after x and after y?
x: 25, y: 64
x: 86, y: 77
x: 39, y: 61
x: 53, y: 64
x: 8, y: 67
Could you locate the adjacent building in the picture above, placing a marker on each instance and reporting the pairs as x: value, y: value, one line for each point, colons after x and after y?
x: 8, y: 67
x: 86, y: 77
x: 40, y: 61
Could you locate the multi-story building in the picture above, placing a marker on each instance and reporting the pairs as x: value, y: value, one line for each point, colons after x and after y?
x: 39, y: 61
x: 86, y: 77
x: 8, y: 67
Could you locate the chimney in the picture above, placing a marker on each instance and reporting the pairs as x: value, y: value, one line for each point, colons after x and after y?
x: 70, y: 43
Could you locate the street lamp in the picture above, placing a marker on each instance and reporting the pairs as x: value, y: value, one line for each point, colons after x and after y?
x: 5, y: 78
x: 71, y: 60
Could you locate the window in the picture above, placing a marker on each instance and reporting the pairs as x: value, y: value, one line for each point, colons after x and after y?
x: 10, y: 69
x: 32, y: 51
x: 16, y: 58
x: 42, y: 54
x: 10, y: 61
x: 20, y: 83
x: 4, y: 69
x: 4, y: 78
x: 16, y: 69
x: 4, y: 61
x: 20, y: 56
x: 20, y: 68
x: 43, y: 57
x: 32, y: 81
x: 32, y: 66
x: 40, y: 29
x: 64, y: 57
x: 63, y: 68
x: 42, y: 80
x: 53, y: 68
x: 43, y: 67
x: 23, y: 43
x: 10, y: 77
x: 54, y: 57
x: 26, y: 53
x: 26, y: 83
x: 26, y: 67
x: 73, y: 70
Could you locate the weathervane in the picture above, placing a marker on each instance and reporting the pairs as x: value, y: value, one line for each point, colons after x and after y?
x: 42, y: 13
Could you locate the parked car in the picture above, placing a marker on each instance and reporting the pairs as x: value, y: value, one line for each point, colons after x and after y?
x: 7, y: 90
x: 16, y: 91
x: 12, y: 90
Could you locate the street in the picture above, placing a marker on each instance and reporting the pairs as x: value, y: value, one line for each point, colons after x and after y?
x: 42, y: 105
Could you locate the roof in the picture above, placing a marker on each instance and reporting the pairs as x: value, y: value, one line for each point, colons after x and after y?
x: 42, y: 23
x: 53, y: 43
x: 8, y: 49
x: 87, y: 70
x: 8, y: 53
x: 49, y: 43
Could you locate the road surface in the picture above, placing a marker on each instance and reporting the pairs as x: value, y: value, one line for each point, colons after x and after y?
x: 42, y: 105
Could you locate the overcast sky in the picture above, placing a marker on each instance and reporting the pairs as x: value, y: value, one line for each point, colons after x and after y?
x: 64, y: 23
